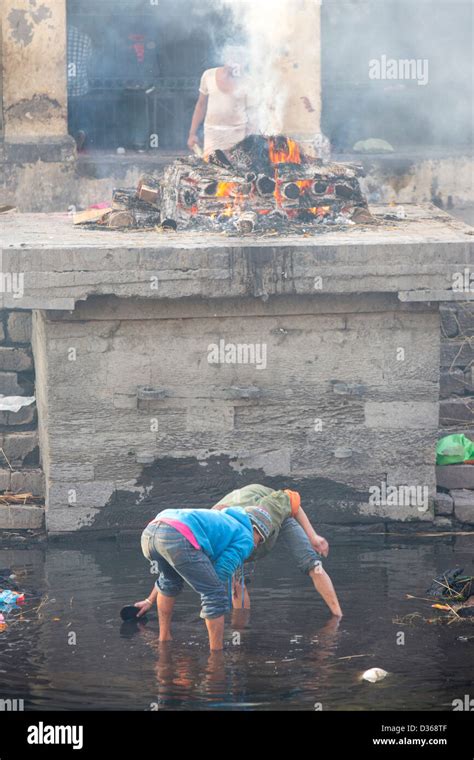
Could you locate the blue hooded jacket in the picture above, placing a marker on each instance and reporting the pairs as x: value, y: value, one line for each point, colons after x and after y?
x: 225, y: 536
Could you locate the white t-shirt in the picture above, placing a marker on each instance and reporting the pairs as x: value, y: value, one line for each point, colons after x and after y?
x: 226, y: 117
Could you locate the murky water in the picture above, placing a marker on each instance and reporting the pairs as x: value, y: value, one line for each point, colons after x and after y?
x: 74, y: 653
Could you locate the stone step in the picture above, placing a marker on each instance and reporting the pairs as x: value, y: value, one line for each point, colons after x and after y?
x: 455, y: 476
x: 464, y: 506
x: 21, y: 517
x: 22, y: 481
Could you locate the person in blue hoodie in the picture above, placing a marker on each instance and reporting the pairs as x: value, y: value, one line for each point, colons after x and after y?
x: 203, y: 548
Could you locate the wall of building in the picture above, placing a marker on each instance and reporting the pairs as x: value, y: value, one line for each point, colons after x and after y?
x: 140, y: 418
x: 19, y: 437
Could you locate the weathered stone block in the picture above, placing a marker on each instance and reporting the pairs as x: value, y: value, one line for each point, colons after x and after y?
x: 469, y: 378
x: 401, y: 414
x: 2, y: 332
x: 71, y: 471
x: 21, y: 517
x: 452, y: 383
x: 28, y: 481
x: 5, y: 479
x: 80, y: 494
x: 449, y: 322
x: 24, y: 416
x: 67, y: 519
x: 443, y: 504
x: 464, y: 506
x: 145, y: 457
x: 9, y: 384
x: 443, y: 523
x: 455, y: 476
x: 19, y: 326
x: 15, y: 359
x: 466, y: 319
x: 125, y: 401
x: 455, y: 412
x: 210, y: 417
x: 456, y: 353
x: 17, y: 446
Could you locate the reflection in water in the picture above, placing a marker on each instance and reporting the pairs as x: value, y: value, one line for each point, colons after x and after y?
x: 67, y: 648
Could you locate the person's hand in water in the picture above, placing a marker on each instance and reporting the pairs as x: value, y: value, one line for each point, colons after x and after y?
x: 144, y: 606
x: 320, y: 545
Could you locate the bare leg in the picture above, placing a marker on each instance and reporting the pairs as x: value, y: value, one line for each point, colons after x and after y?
x: 323, y: 584
x: 215, y: 629
x: 165, y: 606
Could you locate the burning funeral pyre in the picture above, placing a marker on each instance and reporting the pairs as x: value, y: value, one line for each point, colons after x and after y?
x: 260, y: 184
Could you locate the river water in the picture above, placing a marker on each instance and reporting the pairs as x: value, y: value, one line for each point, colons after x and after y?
x: 67, y: 649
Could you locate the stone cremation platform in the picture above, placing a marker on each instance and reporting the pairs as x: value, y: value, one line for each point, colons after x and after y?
x: 173, y: 366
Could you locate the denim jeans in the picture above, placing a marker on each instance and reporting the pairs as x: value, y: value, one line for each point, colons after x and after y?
x: 297, y: 543
x: 178, y: 561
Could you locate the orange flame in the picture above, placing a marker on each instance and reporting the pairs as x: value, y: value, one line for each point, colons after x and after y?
x: 277, y: 194
x: 225, y: 189
x: 284, y: 155
x: 304, y: 184
x: 319, y: 210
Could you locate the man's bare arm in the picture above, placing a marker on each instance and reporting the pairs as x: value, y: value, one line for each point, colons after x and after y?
x: 323, y: 584
x: 147, y: 604
x: 317, y: 542
x: 198, y: 117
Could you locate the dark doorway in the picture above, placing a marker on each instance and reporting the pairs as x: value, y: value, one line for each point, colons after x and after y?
x: 144, y: 61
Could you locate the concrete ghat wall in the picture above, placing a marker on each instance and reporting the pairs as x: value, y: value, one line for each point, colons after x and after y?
x: 60, y: 181
x: 112, y: 459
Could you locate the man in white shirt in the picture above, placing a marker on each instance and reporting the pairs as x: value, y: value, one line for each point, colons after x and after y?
x: 222, y: 106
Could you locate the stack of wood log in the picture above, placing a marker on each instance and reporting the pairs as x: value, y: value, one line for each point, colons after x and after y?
x: 261, y: 182
x: 135, y: 208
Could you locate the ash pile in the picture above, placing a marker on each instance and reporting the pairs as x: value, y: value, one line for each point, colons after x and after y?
x: 263, y: 184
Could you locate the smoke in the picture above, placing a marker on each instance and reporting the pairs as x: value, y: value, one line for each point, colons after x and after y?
x: 434, y: 35
x: 268, y: 26
x: 273, y: 34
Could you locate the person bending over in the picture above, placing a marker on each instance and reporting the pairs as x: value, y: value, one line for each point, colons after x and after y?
x: 291, y: 527
x: 203, y: 548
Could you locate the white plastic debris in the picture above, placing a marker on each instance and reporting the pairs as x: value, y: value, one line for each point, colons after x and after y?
x: 15, y: 403
x: 374, y: 674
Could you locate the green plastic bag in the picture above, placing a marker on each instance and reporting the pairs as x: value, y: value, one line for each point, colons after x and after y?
x: 454, y: 449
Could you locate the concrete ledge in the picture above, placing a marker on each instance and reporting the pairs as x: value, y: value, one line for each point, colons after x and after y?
x: 46, y: 149
x: 63, y: 264
x: 21, y: 517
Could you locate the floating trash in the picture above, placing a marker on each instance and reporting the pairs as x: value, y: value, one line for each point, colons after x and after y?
x: 374, y: 674
x: 10, y: 599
